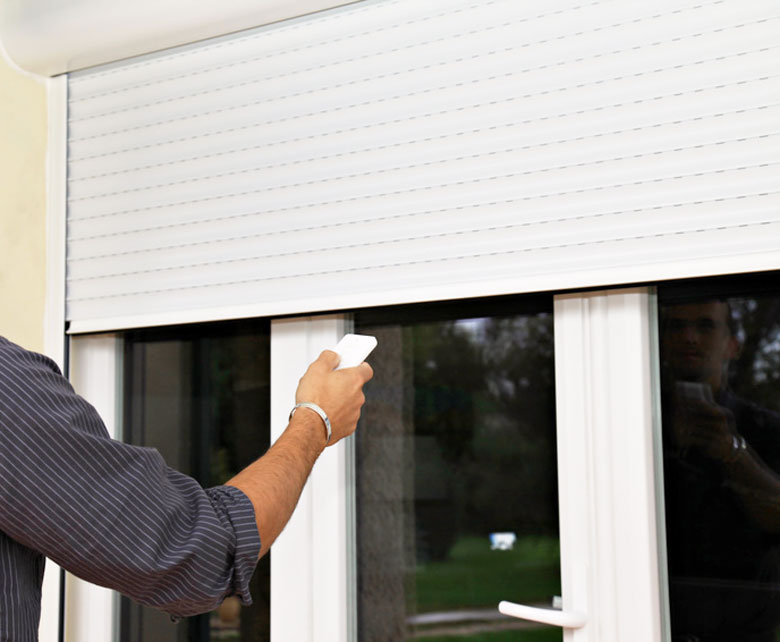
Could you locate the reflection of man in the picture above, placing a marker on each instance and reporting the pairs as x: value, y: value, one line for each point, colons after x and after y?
x: 722, y: 486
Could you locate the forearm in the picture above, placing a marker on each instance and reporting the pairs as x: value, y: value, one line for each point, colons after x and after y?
x: 274, y: 482
x: 757, y: 486
x: 714, y: 433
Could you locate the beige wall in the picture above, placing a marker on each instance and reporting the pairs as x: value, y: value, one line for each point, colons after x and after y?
x: 23, y: 130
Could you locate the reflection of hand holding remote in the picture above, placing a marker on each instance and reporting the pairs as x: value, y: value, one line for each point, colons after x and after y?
x: 699, y: 425
x: 694, y: 390
x: 698, y: 422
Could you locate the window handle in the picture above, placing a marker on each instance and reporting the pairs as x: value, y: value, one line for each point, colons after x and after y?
x: 564, y: 619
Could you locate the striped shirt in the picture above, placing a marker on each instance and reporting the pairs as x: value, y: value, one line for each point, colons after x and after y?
x: 111, y: 513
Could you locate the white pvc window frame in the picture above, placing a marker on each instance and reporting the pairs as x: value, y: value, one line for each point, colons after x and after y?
x: 313, y: 577
x: 613, y: 556
x: 54, y: 315
x: 96, y: 374
x: 313, y: 573
x: 610, y: 482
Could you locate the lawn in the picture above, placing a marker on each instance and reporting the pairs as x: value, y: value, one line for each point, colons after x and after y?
x: 476, y: 577
x: 539, y: 635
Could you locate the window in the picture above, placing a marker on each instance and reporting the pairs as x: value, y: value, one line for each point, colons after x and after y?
x: 720, y: 356
x: 457, y: 503
x: 528, y: 419
x: 200, y: 395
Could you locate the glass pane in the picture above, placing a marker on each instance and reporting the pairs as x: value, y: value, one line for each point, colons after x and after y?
x: 456, y: 474
x: 721, y: 428
x: 200, y: 395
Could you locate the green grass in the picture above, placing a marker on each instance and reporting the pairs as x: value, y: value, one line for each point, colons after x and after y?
x: 476, y: 577
x: 540, y: 635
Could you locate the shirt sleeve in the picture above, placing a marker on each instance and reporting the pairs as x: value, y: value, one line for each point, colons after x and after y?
x: 111, y: 513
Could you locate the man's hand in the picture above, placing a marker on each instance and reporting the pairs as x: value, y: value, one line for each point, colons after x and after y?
x: 338, y: 392
x: 711, y: 430
x: 705, y: 426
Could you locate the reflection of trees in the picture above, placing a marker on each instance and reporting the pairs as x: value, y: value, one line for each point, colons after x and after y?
x: 484, y: 416
x: 449, y: 375
x: 755, y: 375
x: 484, y: 429
x: 449, y: 380
x: 516, y: 468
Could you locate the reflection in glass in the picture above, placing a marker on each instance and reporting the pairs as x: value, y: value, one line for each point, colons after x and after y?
x: 720, y: 376
x: 200, y: 395
x: 456, y: 478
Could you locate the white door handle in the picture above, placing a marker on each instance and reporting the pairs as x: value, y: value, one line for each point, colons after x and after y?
x: 564, y: 619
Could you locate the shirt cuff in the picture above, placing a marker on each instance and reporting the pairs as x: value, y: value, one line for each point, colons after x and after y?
x: 235, y: 508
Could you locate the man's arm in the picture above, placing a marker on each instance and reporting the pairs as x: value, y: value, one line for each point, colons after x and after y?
x: 116, y: 515
x: 711, y: 429
x: 274, y: 482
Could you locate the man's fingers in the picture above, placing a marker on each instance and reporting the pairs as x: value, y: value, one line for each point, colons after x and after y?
x: 329, y: 359
x: 366, y: 371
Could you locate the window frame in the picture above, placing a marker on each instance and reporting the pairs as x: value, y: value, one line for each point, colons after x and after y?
x: 613, y: 562
x: 55, y: 339
x: 313, y: 574
x: 606, y: 352
x: 90, y: 612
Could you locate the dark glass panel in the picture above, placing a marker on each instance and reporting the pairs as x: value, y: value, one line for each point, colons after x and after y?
x: 456, y: 470
x: 200, y: 395
x: 720, y: 352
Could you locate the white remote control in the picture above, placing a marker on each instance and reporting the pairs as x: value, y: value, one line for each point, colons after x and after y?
x: 353, y: 349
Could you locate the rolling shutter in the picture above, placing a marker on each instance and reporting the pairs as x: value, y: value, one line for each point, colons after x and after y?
x: 399, y: 151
